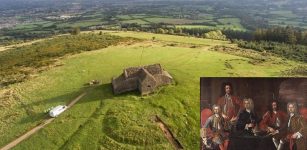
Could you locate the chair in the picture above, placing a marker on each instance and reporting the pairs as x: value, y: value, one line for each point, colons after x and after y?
x: 205, y: 114
x: 303, y: 112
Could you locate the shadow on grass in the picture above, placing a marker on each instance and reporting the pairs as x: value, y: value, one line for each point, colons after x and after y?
x: 38, y: 110
x: 99, y: 92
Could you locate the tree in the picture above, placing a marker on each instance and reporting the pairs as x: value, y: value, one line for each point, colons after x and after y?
x: 75, y: 31
x: 291, y: 38
x: 171, y: 31
x: 178, y: 30
x: 304, y: 38
x: 217, y: 35
x: 160, y: 30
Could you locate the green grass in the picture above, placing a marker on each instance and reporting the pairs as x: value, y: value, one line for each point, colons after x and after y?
x: 288, y: 22
x: 223, y: 23
x: 139, y: 16
x: 138, y: 21
x: 231, y: 23
x: 171, y: 20
x: 283, y: 13
x: 286, y: 18
x: 207, y: 16
x: 82, y: 23
x: 196, y: 26
x: 33, y: 25
x: 124, y: 17
x: 19, y: 63
x: 101, y: 120
x: 25, y: 26
x: 168, y: 38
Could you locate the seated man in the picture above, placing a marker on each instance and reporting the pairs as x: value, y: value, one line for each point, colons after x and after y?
x: 215, y: 130
x: 247, y: 120
x: 273, y: 120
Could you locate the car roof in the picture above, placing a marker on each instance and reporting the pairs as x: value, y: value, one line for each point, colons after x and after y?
x: 58, y: 108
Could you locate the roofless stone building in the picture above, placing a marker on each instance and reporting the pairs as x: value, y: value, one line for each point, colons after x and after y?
x: 144, y: 79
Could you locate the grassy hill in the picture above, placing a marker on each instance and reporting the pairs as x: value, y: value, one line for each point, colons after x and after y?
x: 101, y: 120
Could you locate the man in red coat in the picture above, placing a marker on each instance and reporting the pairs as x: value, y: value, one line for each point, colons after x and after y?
x: 273, y: 120
x: 230, y: 104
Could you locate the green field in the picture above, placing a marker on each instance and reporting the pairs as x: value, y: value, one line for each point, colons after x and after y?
x: 208, y: 21
x: 169, y: 38
x: 230, y: 23
x: 82, y: 23
x: 223, y: 23
x: 285, y: 18
x: 124, y: 17
x: 138, y: 21
x: 196, y: 26
x: 102, y: 120
x: 34, y: 25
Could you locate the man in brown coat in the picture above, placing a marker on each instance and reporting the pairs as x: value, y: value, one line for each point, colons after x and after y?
x: 297, y: 130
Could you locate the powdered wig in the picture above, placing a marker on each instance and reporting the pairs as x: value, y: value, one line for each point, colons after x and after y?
x: 251, y: 103
x: 295, y: 107
x: 216, y: 106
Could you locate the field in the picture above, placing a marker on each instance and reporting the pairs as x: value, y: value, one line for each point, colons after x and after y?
x: 169, y: 38
x: 283, y: 18
x: 102, y: 120
x: 148, y: 16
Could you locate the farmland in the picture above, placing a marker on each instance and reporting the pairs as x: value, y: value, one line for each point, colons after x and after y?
x: 214, y: 15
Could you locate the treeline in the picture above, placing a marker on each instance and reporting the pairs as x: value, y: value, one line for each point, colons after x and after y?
x: 196, y: 32
x: 22, y: 35
x: 13, y: 36
x: 289, y: 51
x: 286, y: 42
x: 287, y: 34
x: 17, y: 64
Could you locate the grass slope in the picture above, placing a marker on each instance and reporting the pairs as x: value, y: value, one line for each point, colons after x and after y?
x: 103, y: 121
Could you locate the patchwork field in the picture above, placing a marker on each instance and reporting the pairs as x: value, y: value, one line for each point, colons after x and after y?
x: 102, y: 120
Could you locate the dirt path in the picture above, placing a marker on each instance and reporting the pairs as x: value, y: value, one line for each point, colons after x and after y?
x: 3, y: 48
x: 37, y: 128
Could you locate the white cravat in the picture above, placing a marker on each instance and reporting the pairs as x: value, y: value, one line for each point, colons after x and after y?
x: 218, y: 124
x: 291, y: 115
x: 277, y: 120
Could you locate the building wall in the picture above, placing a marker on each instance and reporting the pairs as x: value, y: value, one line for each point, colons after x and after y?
x: 124, y: 85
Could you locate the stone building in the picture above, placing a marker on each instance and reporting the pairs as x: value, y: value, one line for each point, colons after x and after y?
x: 145, y: 79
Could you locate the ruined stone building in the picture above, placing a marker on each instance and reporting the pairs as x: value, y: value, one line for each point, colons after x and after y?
x: 145, y: 79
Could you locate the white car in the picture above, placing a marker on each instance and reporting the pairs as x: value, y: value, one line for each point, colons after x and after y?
x: 54, y: 112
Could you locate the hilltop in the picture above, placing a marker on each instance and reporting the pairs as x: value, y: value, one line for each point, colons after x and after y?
x: 101, y: 120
